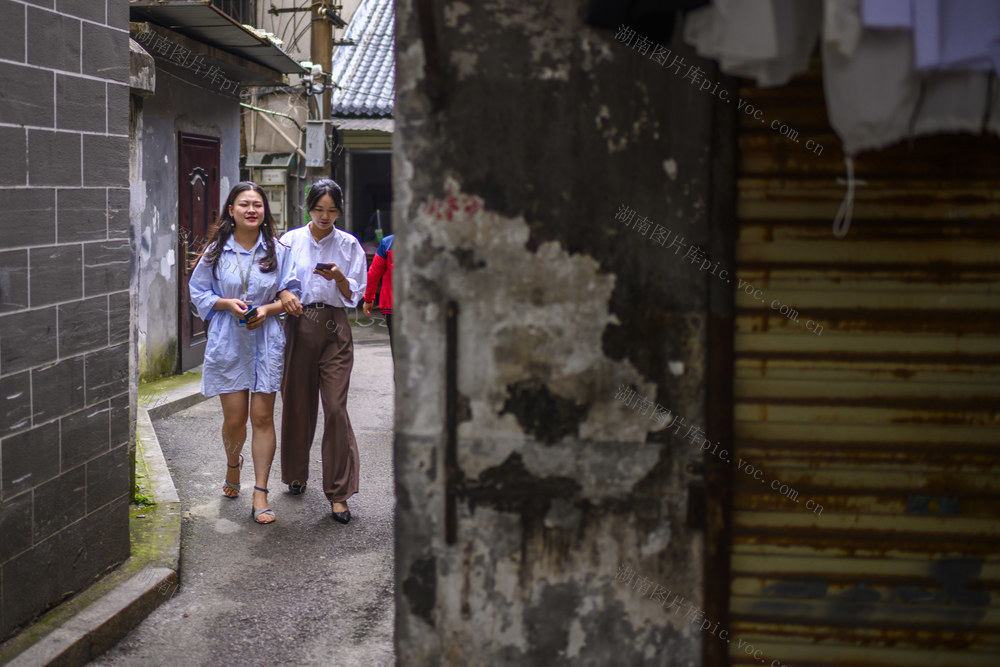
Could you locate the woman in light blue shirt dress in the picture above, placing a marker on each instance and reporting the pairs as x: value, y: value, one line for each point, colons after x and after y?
x: 243, y: 268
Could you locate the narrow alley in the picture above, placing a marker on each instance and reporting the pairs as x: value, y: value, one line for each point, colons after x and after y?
x: 305, y: 590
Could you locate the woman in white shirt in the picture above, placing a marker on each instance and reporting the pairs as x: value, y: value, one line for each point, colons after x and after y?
x: 242, y: 267
x: 319, y: 355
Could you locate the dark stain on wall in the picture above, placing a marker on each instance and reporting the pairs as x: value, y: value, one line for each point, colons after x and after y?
x: 510, y: 487
x: 420, y: 588
x: 541, y: 413
x: 547, y: 622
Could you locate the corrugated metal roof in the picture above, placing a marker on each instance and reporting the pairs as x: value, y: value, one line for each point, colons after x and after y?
x: 203, y: 22
x: 365, y: 74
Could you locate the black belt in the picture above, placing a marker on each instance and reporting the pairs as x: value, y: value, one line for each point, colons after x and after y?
x: 320, y: 304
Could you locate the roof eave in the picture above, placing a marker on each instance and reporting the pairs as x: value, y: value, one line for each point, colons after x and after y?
x: 205, y: 23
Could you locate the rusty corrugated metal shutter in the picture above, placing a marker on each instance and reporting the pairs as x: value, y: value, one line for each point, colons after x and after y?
x: 367, y: 139
x: 878, y: 400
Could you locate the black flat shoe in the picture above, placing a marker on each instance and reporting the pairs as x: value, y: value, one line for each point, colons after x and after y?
x: 296, y: 489
x: 341, y: 517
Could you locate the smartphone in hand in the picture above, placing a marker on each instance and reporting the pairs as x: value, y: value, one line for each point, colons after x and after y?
x: 242, y: 320
x: 323, y: 266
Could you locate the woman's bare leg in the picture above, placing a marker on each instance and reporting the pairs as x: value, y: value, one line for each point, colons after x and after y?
x: 234, y: 434
x: 263, y: 444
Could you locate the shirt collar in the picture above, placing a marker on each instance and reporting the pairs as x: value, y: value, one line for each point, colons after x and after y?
x: 329, y: 238
x: 233, y: 246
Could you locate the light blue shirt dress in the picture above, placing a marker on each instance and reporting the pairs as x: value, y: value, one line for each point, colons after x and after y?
x: 235, y: 358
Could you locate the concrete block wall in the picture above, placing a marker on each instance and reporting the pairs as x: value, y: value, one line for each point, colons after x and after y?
x: 65, y: 256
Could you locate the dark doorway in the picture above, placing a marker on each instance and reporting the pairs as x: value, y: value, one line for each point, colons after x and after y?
x: 198, y: 206
x: 371, y: 197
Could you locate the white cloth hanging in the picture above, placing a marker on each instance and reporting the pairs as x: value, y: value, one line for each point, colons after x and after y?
x: 841, y: 25
x: 876, y: 97
x: 769, y: 41
x: 870, y: 95
x: 892, y: 69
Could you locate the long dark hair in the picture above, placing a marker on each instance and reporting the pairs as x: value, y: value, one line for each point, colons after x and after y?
x: 320, y: 189
x: 225, y: 225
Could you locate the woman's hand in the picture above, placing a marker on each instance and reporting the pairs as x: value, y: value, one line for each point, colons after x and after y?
x: 263, y: 312
x: 367, y: 307
x: 290, y: 303
x: 333, y: 273
x: 234, y: 306
x: 258, y: 319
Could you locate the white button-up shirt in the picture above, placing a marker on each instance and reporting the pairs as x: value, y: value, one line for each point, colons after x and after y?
x: 338, y: 248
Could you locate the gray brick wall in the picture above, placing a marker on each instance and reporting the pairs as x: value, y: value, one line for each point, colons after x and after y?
x: 64, y: 302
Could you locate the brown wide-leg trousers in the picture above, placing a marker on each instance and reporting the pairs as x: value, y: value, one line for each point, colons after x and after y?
x: 319, y: 356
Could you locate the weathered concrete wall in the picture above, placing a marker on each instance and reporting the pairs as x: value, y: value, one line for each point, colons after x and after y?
x: 523, y: 484
x: 176, y: 107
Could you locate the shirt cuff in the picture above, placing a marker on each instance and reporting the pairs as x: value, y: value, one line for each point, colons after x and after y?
x: 356, y: 293
x: 207, y: 312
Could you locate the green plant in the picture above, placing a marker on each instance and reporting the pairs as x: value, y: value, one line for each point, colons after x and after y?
x: 140, y: 498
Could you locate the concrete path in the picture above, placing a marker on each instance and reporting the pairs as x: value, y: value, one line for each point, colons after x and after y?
x: 305, y: 590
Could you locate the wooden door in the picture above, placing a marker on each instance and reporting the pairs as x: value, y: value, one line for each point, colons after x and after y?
x: 198, y: 207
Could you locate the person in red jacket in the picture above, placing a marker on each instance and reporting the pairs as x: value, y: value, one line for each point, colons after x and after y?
x: 381, y: 268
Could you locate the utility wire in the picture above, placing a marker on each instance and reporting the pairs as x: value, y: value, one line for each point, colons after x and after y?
x: 355, y: 90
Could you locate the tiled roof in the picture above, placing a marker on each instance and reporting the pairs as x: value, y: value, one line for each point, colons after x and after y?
x: 366, y: 73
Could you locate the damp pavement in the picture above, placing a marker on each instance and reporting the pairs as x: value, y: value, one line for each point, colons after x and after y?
x: 304, y: 590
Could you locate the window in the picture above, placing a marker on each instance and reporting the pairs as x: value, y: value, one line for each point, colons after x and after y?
x: 243, y: 11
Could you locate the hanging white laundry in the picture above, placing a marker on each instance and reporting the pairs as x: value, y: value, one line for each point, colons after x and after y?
x: 870, y: 96
x: 841, y: 25
x: 876, y: 97
x: 769, y: 41
x: 887, y: 13
x: 956, y: 102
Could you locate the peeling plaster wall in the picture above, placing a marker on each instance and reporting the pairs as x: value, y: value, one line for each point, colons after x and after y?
x: 522, y: 484
x: 175, y: 108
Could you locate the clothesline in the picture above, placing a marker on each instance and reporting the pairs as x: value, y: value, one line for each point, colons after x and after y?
x: 363, y: 92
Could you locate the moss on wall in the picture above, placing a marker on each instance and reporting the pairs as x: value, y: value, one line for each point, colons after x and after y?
x: 159, y: 362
